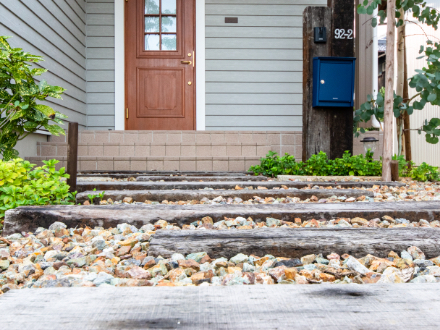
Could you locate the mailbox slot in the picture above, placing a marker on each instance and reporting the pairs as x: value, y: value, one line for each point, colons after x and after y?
x: 333, y: 81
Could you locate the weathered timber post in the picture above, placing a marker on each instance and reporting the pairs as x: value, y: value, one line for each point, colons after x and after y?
x: 316, y: 131
x: 72, y: 155
x: 326, y: 129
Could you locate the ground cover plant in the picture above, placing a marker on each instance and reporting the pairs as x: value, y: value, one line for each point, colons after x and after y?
x: 20, y: 96
x: 21, y: 183
x: 319, y: 165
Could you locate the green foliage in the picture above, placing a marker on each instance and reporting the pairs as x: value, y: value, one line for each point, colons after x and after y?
x: 419, y: 9
x: 21, y: 184
x: 318, y: 165
x: 426, y: 82
x: 20, y: 114
x: 92, y: 196
x: 348, y: 165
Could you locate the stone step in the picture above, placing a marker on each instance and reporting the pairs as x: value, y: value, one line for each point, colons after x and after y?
x: 295, y: 243
x: 29, y: 218
x: 106, y: 186
x: 185, y: 195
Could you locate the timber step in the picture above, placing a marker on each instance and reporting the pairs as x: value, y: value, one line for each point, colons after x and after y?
x: 245, y: 194
x: 201, y: 178
x: 29, y: 218
x: 295, y: 243
x: 85, y: 186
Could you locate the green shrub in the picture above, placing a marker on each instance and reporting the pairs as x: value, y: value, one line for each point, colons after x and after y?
x: 22, y: 184
x: 21, y: 111
x: 319, y: 165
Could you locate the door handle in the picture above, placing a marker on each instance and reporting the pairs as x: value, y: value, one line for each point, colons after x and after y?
x: 186, y: 62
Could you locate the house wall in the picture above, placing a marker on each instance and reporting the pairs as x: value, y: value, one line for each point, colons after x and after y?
x: 254, y: 68
x: 56, y: 30
x: 100, y: 64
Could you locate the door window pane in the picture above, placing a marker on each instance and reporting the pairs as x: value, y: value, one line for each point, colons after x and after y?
x: 160, y: 25
x: 152, y: 7
x: 152, y: 42
x: 152, y: 24
x: 169, y: 7
x: 168, y: 24
x: 169, y: 42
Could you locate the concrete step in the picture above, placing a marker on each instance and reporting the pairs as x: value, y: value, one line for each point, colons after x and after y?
x: 29, y: 218
x: 160, y: 163
x: 106, y: 186
x: 185, y: 195
x: 135, y: 174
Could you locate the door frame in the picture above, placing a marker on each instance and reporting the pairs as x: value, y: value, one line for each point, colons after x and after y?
x: 120, y: 63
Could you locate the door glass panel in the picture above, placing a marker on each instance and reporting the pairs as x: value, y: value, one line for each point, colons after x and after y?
x: 168, y: 24
x: 169, y: 42
x: 152, y: 7
x: 152, y: 42
x: 160, y: 25
x: 169, y: 7
x: 152, y: 24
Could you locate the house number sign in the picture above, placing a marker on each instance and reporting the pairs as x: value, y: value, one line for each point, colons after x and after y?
x: 340, y: 34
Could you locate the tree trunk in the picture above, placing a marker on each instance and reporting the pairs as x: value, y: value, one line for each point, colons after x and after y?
x: 406, y: 122
x: 400, y: 79
x: 389, y: 94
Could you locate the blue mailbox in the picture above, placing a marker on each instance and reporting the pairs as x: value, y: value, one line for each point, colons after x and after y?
x: 333, y: 81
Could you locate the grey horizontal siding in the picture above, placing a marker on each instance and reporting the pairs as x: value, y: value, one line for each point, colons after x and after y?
x: 254, y: 68
x: 100, y: 64
x: 55, y: 30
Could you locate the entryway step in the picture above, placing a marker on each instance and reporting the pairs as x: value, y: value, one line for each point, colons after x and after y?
x: 106, y: 186
x: 201, y: 178
x: 29, y: 218
x: 295, y: 243
x: 185, y: 195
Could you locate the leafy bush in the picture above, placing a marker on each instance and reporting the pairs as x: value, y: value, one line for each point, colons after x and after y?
x: 20, y: 114
x: 423, y: 172
x: 319, y: 165
x: 22, y: 184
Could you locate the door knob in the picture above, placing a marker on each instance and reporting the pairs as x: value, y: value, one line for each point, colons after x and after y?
x: 186, y: 62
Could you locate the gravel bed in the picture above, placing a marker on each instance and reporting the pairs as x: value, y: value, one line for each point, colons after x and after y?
x: 85, y: 257
x: 413, y: 191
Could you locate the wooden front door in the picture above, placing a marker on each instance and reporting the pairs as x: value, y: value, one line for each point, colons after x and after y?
x: 160, y: 67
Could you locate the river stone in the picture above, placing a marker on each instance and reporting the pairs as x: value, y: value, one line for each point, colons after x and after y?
x: 272, y: 222
x: 424, y: 279
x: 4, y: 264
x: 102, y: 278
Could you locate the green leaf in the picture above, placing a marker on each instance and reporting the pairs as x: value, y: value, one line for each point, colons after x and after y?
x: 432, y: 97
x: 46, y: 110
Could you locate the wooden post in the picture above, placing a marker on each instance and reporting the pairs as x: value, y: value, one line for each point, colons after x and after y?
x: 394, y: 170
x: 326, y: 129
x: 316, y: 131
x: 389, y: 94
x: 72, y: 155
x: 341, y: 119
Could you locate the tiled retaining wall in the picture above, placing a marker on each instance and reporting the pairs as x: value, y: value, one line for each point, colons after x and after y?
x: 175, y: 150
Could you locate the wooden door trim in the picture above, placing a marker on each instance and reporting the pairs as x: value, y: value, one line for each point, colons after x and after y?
x: 126, y: 64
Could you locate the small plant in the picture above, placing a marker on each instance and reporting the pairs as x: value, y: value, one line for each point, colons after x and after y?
x: 101, y: 195
x: 92, y: 196
x: 21, y: 184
